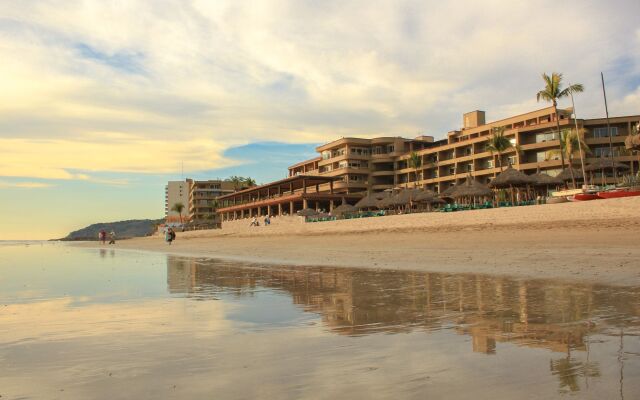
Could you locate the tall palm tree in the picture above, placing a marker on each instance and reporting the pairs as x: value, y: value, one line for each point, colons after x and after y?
x: 552, y: 92
x: 249, y: 182
x: 236, y: 181
x: 570, y: 143
x: 498, y: 143
x: 415, y: 162
x: 178, y: 207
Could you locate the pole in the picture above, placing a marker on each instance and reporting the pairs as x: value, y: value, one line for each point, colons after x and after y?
x: 604, y: 92
x: 575, y: 120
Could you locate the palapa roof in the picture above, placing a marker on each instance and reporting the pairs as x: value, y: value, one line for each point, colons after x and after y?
x: 607, y: 164
x: 307, y: 212
x: 510, y: 177
x: 344, y: 208
x: 425, y: 196
x: 566, y: 174
x: 540, y: 179
x: 405, y: 196
x: 448, y: 191
x: 386, y: 202
x: 368, y: 201
x: 471, y: 188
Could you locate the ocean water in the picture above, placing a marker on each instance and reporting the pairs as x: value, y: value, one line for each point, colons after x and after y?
x: 115, y: 324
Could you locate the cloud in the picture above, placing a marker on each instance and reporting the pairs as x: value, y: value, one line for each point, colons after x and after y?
x: 25, y: 185
x: 141, y: 87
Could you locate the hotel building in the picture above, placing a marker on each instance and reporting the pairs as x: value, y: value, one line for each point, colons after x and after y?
x: 354, y: 166
x: 203, y: 197
x: 176, y: 192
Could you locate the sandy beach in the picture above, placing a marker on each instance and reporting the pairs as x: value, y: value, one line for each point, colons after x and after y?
x: 593, y: 241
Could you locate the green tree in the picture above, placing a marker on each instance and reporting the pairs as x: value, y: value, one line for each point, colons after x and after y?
x: 236, y: 181
x: 498, y: 143
x: 178, y: 207
x: 415, y: 162
x: 552, y: 92
x: 570, y: 143
x: 249, y: 182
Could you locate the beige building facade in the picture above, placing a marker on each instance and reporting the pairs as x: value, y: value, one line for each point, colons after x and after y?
x: 176, y: 192
x: 382, y: 163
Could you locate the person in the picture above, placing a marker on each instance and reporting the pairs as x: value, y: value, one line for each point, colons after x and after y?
x: 112, y: 237
x: 169, y: 235
x: 254, y: 222
x: 267, y: 220
x: 102, y: 236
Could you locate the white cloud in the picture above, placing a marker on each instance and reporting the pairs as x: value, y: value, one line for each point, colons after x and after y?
x: 139, y: 87
x: 25, y: 185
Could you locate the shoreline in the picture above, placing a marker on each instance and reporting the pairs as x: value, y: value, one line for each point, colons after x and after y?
x: 595, y: 242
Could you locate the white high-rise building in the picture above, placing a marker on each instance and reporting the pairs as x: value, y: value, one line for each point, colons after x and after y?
x: 176, y: 192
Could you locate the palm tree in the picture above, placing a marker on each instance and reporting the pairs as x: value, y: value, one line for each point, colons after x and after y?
x: 178, y: 207
x: 236, y: 180
x: 552, y: 92
x: 498, y: 143
x: 570, y: 142
x: 249, y: 182
x: 415, y: 162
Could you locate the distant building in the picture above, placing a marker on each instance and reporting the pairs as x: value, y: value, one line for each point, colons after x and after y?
x: 203, y: 196
x: 176, y: 192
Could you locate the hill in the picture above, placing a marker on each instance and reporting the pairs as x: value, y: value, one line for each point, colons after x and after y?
x: 123, y: 229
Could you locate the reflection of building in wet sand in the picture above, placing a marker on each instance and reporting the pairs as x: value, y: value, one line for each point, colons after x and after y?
x: 358, y: 302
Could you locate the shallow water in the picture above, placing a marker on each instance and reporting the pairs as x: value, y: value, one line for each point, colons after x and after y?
x: 114, y: 324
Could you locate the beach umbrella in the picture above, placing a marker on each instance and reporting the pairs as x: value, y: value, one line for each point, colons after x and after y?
x: 606, y: 164
x: 566, y: 174
x: 448, y: 192
x: 406, y: 196
x: 425, y: 196
x: 368, y: 201
x: 510, y: 177
x: 307, y: 212
x: 344, y: 209
x: 386, y: 202
x: 471, y: 188
x: 540, y: 179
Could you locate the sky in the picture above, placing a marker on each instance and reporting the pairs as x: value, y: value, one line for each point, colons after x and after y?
x: 102, y: 102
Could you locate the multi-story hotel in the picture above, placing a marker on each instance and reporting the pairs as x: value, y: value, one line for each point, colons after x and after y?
x: 348, y: 167
x: 176, y: 192
x: 203, y: 196
x: 383, y: 163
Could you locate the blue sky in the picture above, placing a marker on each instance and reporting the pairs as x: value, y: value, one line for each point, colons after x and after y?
x: 102, y: 101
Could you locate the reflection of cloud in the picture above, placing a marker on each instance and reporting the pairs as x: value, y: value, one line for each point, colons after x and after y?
x: 73, y: 318
x: 298, y: 72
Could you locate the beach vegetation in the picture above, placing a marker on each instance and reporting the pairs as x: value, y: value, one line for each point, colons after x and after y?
x: 570, y: 143
x: 415, y: 162
x: 178, y: 207
x: 498, y: 143
x: 552, y: 92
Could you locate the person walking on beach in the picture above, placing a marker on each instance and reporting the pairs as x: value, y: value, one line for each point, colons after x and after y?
x: 169, y: 235
x: 112, y: 237
x: 254, y: 222
x: 267, y: 220
x: 102, y: 236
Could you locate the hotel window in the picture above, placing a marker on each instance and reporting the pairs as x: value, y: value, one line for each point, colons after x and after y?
x: 489, y: 164
x: 469, y: 168
x: 512, y: 160
x: 602, y: 132
x: 546, y: 137
x: 343, y: 164
x: 326, y: 155
x: 390, y: 148
x: 359, y: 151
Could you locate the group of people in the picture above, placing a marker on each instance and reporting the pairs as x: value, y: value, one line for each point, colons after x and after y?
x: 102, y: 236
x: 254, y: 221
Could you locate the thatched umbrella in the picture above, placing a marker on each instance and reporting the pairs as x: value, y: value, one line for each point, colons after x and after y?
x: 541, y: 180
x: 406, y: 196
x: 425, y: 196
x: 368, y: 201
x: 448, y: 191
x: 307, y: 212
x: 510, y: 178
x: 344, y: 209
x: 605, y: 164
x: 386, y: 202
x: 566, y: 174
x: 471, y: 189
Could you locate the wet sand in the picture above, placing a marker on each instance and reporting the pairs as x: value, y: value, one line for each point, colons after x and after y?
x: 593, y: 241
